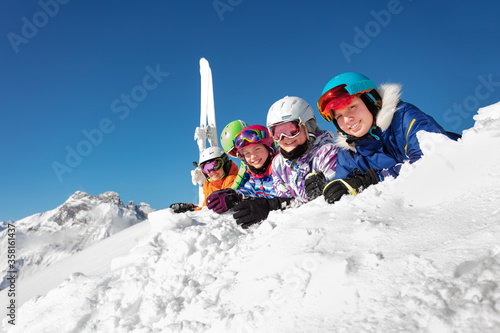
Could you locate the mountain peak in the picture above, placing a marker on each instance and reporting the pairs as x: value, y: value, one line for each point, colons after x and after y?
x: 75, y: 209
x: 78, y: 195
x: 110, y: 197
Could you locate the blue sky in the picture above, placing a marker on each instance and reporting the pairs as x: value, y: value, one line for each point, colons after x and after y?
x: 102, y: 96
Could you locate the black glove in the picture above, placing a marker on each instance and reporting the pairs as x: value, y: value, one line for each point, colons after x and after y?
x: 223, y: 200
x: 253, y: 210
x: 334, y: 190
x: 182, y: 207
x: 314, y: 184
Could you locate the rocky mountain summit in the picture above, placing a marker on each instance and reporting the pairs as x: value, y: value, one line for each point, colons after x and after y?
x: 73, y: 210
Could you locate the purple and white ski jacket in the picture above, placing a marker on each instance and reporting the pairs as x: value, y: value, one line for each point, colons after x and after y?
x: 289, y: 176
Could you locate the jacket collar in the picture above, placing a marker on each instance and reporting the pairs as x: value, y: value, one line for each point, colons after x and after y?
x: 390, y: 93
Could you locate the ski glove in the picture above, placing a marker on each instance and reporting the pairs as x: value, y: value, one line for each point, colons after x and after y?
x: 182, y: 207
x: 253, y: 210
x: 197, y: 176
x: 314, y: 184
x: 334, y: 190
x: 223, y: 200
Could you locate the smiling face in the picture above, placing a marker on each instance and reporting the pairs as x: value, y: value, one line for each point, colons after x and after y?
x: 216, y: 175
x: 255, y: 155
x: 289, y: 144
x: 355, y: 120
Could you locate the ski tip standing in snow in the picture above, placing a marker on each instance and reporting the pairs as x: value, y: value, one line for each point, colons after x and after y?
x: 304, y: 148
x: 208, y: 128
x: 377, y: 132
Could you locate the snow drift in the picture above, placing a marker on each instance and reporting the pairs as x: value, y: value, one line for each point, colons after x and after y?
x: 416, y: 254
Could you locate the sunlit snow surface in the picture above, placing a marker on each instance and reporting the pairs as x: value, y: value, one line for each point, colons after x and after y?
x: 416, y: 254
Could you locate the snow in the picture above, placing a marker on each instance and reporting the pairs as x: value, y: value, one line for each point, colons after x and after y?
x: 419, y: 253
x: 4, y: 224
x: 45, y: 238
x: 90, y: 261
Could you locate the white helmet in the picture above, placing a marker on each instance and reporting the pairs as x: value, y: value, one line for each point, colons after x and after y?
x: 289, y: 108
x: 211, y: 153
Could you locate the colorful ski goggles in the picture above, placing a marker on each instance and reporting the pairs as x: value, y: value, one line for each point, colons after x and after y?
x: 337, y: 98
x: 249, y: 136
x: 212, y: 165
x: 290, y: 129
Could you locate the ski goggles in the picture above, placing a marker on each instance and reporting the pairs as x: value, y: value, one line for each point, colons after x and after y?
x: 249, y: 136
x: 290, y: 129
x: 233, y: 152
x: 213, y: 165
x: 337, y: 98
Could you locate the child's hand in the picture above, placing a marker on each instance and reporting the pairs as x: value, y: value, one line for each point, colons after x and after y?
x: 197, y: 176
x: 314, y: 184
x: 334, y: 190
x: 223, y: 200
x: 182, y: 207
x: 251, y: 211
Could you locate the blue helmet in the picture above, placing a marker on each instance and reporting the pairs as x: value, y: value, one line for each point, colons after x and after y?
x: 354, y: 83
x: 349, y: 83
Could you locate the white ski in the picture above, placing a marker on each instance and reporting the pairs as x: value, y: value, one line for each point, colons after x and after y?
x: 208, y: 128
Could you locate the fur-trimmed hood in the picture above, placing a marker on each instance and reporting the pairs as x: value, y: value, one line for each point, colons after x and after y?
x: 390, y: 93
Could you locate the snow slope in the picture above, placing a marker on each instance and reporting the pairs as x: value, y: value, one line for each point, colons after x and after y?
x: 45, y: 238
x: 417, y: 254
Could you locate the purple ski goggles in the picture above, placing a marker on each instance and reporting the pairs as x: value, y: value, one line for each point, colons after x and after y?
x: 212, y: 165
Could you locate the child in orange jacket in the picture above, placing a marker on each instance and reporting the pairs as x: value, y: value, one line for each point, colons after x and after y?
x: 220, y: 173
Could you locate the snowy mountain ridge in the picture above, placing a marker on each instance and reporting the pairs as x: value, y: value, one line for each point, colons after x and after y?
x: 44, y: 238
x: 4, y: 224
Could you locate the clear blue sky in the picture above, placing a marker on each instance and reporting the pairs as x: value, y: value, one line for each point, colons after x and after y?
x: 126, y: 74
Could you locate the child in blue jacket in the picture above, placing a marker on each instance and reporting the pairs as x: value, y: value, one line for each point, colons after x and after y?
x: 256, y: 148
x: 377, y: 132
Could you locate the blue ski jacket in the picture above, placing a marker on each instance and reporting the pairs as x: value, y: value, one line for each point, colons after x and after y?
x: 261, y: 186
x: 392, y: 142
x: 252, y: 186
